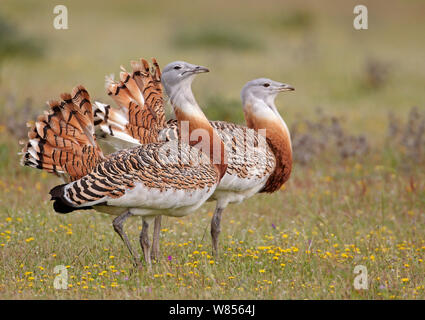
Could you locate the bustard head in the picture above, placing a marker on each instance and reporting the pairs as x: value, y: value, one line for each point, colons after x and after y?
x: 263, y: 89
x: 179, y: 74
x: 258, y: 97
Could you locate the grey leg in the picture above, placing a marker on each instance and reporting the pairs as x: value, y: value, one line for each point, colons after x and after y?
x: 216, y: 228
x: 118, y: 227
x: 155, y: 240
x: 144, y: 242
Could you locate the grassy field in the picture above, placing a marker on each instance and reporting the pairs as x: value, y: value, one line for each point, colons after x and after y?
x: 302, y: 242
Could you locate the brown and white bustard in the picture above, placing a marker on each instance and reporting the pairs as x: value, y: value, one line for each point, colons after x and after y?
x: 259, y: 155
x: 155, y: 178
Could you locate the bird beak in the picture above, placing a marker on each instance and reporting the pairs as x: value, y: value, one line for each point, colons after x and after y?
x: 200, y: 69
x: 285, y: 87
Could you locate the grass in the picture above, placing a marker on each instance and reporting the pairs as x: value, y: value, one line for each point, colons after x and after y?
x: 301, y: 242
x: 304, y: 241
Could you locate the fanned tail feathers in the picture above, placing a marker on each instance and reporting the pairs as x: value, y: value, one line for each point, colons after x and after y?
x: 62, y: 140
x: 140, y: 113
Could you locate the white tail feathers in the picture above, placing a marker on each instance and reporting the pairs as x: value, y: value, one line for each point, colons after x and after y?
x: 111, y: 127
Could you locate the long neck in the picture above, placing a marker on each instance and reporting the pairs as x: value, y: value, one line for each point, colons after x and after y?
x: 182, y: 98
x: 194, y: 127
x: 264, y: 115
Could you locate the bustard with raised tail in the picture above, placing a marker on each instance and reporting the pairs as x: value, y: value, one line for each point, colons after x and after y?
x: 159, y: 178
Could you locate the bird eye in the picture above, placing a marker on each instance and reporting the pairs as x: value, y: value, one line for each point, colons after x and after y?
x: 266, y: 85
x: 177, y: 67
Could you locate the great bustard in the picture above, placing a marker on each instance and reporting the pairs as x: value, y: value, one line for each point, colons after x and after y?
x: 161, y: 178
x: 256, y: 162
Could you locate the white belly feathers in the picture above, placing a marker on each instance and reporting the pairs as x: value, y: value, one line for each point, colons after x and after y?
x: 153, y: 200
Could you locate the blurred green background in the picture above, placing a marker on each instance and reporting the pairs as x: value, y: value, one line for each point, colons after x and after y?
x: 356, y: 75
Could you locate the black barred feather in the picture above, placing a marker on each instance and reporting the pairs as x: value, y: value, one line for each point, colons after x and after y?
x: 62, y: 140
x: 145, y: 164
x: 140, y: 113
x: 246, y: 149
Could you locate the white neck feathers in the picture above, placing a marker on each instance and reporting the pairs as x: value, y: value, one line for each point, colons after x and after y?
x: 182, y: 98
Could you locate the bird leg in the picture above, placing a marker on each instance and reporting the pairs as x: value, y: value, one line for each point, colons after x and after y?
x: 216, y: 228
x: 118, y: 227
x: 155, y: 240
x: 144, y: 242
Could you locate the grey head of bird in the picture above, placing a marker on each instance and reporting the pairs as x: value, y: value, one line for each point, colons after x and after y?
x: 263, y: 89
x: 178, y: 75
x: 259, y: 94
